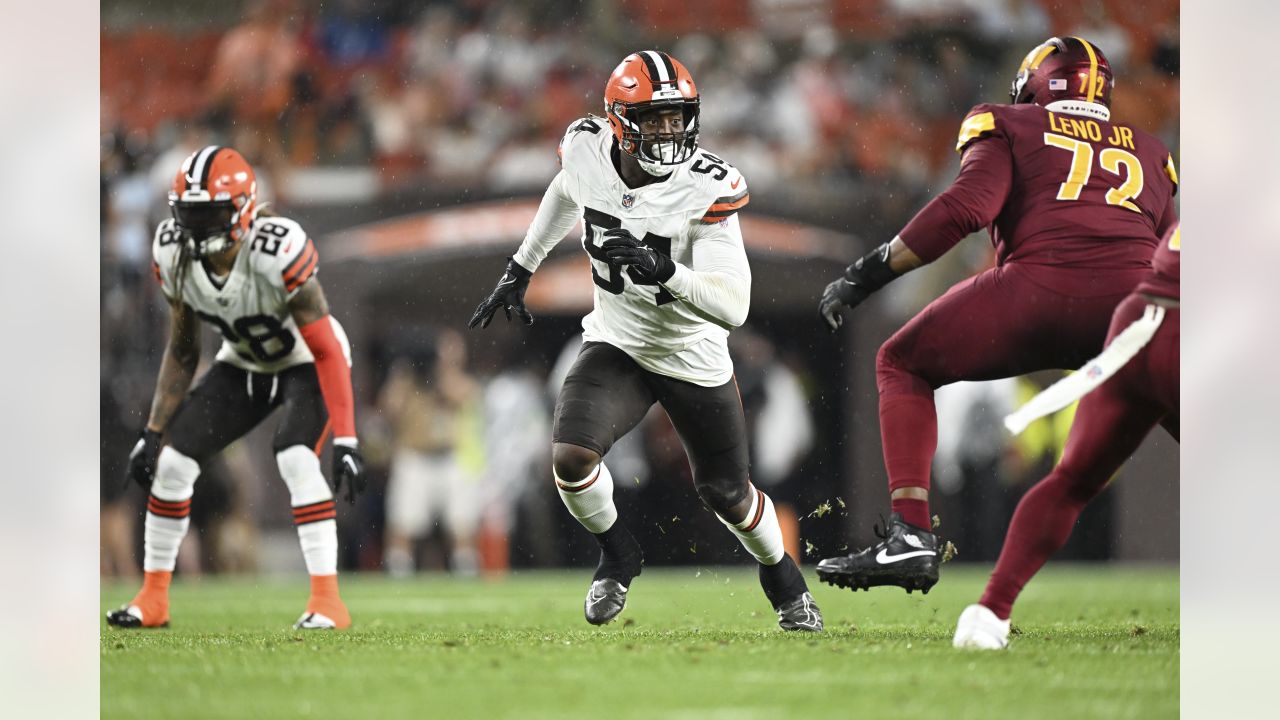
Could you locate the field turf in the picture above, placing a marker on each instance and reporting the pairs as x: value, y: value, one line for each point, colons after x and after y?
x: 1092, y: 641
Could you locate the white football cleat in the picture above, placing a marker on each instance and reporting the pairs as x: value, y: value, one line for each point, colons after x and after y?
x: 314, y: 621
x: 980, y: 629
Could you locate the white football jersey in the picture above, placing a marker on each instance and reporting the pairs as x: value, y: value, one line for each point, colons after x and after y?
x: 689, y: 216
x: 250, y: 307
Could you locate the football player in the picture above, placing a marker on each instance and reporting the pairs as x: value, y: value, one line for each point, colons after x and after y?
x: 1110, y: 423
x: 1075, y: 204
x: 253, y: 276
x: 660, y: 225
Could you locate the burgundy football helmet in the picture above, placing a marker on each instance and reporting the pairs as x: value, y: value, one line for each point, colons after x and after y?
x: 1068, y: 68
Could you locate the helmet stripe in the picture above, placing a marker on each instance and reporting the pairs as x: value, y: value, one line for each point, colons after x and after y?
x: 1093, y: 67
x: 657, y: 69
x: 198, y: 176
x: 1033, y: 61
x: 669, y: 66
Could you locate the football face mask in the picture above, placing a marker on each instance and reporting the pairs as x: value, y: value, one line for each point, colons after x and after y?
x: 663, y: 140
x: 206, y: 226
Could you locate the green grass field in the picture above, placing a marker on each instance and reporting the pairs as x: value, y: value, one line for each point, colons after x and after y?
x: 1092, y: 642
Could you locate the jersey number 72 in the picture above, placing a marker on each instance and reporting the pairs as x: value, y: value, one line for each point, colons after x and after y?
x: 1111, y: 159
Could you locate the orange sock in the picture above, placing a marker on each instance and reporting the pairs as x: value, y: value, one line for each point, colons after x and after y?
x: 153, y: 598
x: 326, y: 601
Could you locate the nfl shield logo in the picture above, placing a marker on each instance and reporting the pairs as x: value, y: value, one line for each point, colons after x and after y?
x: 628, y: 199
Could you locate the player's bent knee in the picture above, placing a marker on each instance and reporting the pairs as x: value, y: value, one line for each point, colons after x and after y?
x: 572, y: 463
x: 724, y: 496
x: 887, y: 358
x: 175, y: 475
x: 300, y: 468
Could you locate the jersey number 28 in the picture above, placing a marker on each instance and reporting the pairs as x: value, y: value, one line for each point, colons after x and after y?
x: 268, y: 339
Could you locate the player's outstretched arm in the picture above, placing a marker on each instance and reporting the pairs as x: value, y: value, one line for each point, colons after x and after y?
x: 177, y: 368
x: 328, y: 344
x: 971, y: 203
x: 555, y: 218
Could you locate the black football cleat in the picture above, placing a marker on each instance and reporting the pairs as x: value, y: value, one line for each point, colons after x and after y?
x: 129, y: 617
x: 605, y: 600
x: 906, y: 556
x: 801, y: 614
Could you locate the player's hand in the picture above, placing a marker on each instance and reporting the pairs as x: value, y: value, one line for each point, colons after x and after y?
x: 866, y: 275
x: 348, y: 468
x: 508, y: 295
x: 837, y: 295
x: 647, y: 264
x: 142, y: 459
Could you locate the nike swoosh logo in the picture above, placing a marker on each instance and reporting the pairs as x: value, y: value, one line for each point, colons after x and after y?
x: 734, y: 185
x: 884, y: 558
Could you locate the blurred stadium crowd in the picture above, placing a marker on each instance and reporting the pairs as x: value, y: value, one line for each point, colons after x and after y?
x: 838, y: 111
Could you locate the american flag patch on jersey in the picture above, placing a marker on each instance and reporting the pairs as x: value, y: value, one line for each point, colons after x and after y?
x: 1057, y: 83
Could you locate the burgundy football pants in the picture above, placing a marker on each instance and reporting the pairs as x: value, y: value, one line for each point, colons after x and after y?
x: 1007, y: 321
x: 1109, y: 425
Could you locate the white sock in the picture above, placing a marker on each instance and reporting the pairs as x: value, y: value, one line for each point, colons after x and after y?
x: 590, y: 500
x: 759, y: 532
x: 314, y: 511
x: 168, y: 509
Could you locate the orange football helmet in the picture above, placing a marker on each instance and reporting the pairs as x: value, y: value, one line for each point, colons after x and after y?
x: 214, y: 199
x: 651, y: 80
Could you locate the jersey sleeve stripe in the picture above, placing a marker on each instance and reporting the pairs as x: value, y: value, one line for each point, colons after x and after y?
x: 290, y: 284
x: 301, y: 259
x: 973, y: 127
x: 725, y: 207
x: 297, y: 266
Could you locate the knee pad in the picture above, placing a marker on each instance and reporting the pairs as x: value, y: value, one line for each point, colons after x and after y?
x: 722, y: 494
x: 175, y: 475
x: 300, y: 468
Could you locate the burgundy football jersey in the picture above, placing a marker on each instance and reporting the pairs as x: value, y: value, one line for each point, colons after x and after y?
x: 1166, y: 275
x: 1084, y: 192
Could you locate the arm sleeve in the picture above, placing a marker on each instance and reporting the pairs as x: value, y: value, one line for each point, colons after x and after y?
x: 971, y: 203
x: 556, y: 216
x: 328, y: 343
x: 719, y: 283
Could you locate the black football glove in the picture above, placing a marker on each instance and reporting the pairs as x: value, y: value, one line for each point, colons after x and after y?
x: 508, y: 295
x: 870, y: 273
x: 142, y: 459
x: 646, y: 264
x: 348, y: 471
